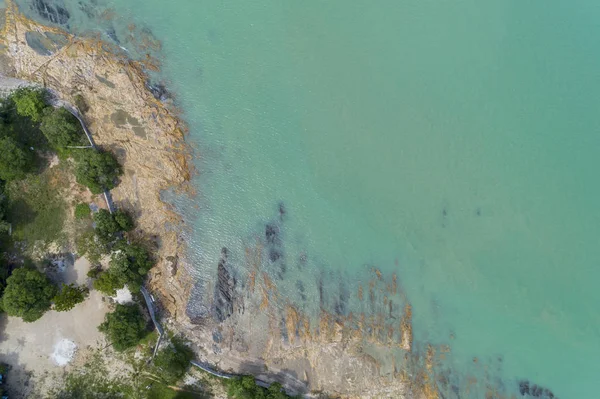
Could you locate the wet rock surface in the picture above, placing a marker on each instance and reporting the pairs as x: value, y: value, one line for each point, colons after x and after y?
x: 528, y: 389
x: 224, y: 290
x: 54, y: 13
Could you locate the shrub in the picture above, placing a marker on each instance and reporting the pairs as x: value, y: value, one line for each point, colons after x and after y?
x: 62, y: 129
x: 30, y: 102
x: 124, y: 327
x: 28, y: 294
x: 97, y: 170
x: 82, y: 211
x: 15, y: 161
x: 69, y: 296
x: 173, y: 361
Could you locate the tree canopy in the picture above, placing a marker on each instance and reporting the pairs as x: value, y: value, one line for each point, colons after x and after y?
x: 97, y: 170
x: 106, y: 226
x: 109, y: 225
x: 15, y: 161
x: 28, y: 294
x: 69, y: 296
x: 124, y: 327
x: 30, y: 102
x: 62, y: 129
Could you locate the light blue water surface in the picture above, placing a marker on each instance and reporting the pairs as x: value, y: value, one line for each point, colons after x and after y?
x: 456, y: 144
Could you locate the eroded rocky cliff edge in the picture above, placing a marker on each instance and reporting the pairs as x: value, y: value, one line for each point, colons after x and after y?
x: 251, y: 329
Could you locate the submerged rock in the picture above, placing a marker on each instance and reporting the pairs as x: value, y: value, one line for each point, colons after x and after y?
x: 223, y: 302
x: 54, y: 13
x: 535, y: 391
x: 159, y: 91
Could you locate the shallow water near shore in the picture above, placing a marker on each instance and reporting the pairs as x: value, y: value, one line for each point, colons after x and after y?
x: 454, y: 145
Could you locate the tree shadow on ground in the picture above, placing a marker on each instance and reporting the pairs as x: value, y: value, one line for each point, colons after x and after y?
x: 288, y: 378
x: 19, y: 383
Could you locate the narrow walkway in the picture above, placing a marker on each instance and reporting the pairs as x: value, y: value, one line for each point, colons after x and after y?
x: 205, y: 367
x: 159, y: 328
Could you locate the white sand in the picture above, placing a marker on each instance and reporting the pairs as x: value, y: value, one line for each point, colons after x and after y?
x: 64, y: 351
x: 123, y: 296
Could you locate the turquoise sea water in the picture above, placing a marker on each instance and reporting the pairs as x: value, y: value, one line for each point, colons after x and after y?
x: 456, y: 144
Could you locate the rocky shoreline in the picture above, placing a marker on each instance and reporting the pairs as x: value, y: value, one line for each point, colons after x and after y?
x: 127, y: 115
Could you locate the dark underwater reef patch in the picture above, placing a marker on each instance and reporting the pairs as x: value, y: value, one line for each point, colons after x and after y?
x: 51, y: 12
x: 223, y: 299
x: 528, y: 389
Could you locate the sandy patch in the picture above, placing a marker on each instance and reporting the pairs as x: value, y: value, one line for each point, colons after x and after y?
x: 64, y: 351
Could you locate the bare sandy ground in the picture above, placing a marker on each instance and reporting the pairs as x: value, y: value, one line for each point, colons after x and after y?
x: 28, y: 347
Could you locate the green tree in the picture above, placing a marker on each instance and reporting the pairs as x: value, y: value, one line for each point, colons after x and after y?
x: 61, y: 129
x: 30, y: 102
x: 124, y: 327
x: 173, y: 361
x: 15, y: 161
x: 108, y: 283
x: 28, y: 294
x: 69, y: 296
x: 106, y: 226
x: 82, y: 211
x: 124, y: 220
x: 97, y: 170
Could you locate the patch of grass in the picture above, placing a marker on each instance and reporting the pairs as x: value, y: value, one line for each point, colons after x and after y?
x: 91, y: 381
x: 36, y: 209
x: 82, y: 211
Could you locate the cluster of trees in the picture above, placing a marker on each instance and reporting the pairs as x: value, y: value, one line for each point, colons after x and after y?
x: 129, y: 260
x: 29, y: 126
x: 245, y: 388
x: 29, y: 294
x: 62, y: 133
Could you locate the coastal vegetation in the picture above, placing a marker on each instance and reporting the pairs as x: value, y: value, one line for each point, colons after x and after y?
x: 32, y: 203
x: 62, y: 130
x: 97, y: 170
x: 246, y: 388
